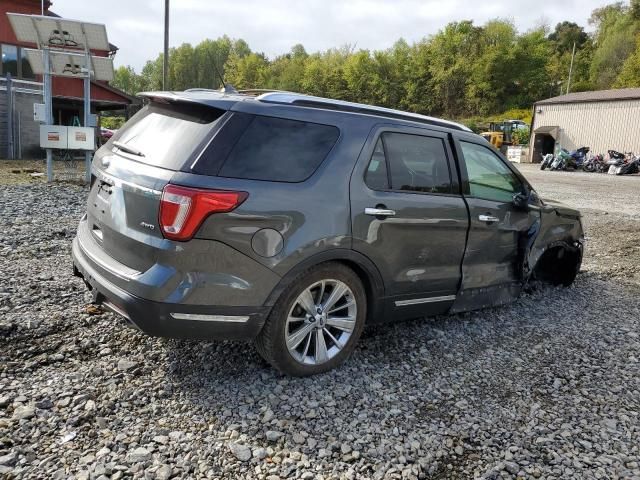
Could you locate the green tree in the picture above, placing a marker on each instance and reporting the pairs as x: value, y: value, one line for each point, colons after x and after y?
x: 530, y: 80
x: 419, y: 81
x: 210, y: 57
x: 286, y: 72
x: 127, y: 80
x: 565, y: 35
x: 462, y: 70
x: 635, y: 9
x: 491, y: 71
x: 630, y: 74
x: 240, y: 48
x: 392, y: 67
x: 182, y: 68
x: 324, y: 74
x: 611, y: 54
x: 359, y: 73
x: 151, y: 75
x: 246, y: 72
x: 452, y: 53
x: 615, y: 41
x: 559, y: 61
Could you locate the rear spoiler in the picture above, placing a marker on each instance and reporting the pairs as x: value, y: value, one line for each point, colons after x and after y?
x: 208, y: 98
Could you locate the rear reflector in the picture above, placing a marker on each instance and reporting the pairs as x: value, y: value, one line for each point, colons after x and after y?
x: 183, y: 209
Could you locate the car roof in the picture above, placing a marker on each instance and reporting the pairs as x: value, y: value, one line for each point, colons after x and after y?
x: 226, y: 100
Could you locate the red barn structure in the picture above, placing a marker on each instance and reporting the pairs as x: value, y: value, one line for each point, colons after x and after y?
x: 19, y: 133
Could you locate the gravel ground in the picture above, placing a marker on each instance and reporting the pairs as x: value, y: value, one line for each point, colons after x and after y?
x: 611, y: 216
x: 548, y: 387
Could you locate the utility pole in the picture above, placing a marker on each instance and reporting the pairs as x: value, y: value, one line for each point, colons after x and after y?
x: 165, y: 59
x: 48, y: 105
x: 87, y: 111
x: 573, y: 56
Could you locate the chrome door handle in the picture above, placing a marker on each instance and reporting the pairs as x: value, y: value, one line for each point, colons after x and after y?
x: 488, y: 218
x: 379, y: 212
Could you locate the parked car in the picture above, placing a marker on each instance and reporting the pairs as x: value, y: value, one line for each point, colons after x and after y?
x: 106, y: 134
x: 295, y: 220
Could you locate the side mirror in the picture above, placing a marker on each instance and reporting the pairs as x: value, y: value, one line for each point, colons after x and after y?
x: 521, y: 201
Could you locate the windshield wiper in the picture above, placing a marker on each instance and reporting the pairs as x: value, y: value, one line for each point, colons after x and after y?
x: 125, y: 148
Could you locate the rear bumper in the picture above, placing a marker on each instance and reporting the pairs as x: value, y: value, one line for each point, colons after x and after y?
x: 166, y: 319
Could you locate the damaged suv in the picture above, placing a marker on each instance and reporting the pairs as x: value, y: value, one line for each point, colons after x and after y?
x: 294, y: 221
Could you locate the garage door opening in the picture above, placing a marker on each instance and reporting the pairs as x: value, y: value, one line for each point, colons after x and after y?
x: 544, y: 142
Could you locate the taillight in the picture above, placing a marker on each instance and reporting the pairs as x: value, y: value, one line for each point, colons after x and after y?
x: 183, y: 209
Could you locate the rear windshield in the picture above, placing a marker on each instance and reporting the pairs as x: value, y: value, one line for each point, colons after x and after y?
x: 256, y: 147
x: 166, y: 135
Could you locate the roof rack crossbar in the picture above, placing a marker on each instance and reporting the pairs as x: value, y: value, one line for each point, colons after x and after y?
x: 339, y: 105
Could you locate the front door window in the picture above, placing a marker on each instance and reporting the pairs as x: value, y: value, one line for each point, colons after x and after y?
x: 489, y: 178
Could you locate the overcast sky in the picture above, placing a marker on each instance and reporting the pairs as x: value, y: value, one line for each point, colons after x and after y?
x: 274, y: 26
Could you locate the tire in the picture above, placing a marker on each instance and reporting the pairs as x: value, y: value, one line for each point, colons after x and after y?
x: 289, y: 320
x: 543, y: 165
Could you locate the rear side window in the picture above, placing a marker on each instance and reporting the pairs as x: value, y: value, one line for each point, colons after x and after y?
x: 376, y: 177
x: 167, y: 135
x: 415, y: 163
x: 277, y: 149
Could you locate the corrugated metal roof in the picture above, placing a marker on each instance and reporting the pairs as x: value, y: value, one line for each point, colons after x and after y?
x: 595, y: 96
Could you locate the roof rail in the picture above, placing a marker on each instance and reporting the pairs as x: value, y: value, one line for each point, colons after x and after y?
x: 227, y: 88
x: 259, y: 91
x: 340, y: 105
x: 198, y: 89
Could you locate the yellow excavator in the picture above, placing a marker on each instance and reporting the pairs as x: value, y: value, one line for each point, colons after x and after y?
x: 500, y: 134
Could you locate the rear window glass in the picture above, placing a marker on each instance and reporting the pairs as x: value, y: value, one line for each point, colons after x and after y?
x: 166, y: 135
x: 276, y: 149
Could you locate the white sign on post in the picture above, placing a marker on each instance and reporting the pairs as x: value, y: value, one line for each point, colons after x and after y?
x: 81, y: 138
x: 53, y: 136
x: 67, y: 138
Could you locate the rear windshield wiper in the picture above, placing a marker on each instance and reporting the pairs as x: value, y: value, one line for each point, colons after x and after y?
x: 124, y: 147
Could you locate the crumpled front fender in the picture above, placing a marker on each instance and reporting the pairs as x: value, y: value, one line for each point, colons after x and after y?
x: 559, y: 227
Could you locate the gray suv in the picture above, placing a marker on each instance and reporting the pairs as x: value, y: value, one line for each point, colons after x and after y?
x: 295, y: 221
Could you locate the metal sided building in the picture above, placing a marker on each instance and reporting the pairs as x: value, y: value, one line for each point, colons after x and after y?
x: 602, y: 120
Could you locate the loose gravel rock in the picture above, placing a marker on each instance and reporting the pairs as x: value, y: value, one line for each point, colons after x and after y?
x: 241, y: 452
x: 548, y: 387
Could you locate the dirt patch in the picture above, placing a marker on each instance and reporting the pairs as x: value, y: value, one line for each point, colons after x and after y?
x: 24, y: 172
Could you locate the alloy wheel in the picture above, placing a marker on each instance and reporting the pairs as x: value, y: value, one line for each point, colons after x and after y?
x: 320, y: 322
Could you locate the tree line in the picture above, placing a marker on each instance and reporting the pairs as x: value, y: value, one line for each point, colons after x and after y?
x: 464, y: 70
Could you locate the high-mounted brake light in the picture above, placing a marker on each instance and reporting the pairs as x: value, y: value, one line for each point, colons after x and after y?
x: 183, y: 209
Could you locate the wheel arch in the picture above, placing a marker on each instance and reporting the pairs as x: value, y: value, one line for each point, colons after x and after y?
x: 360, y: 264
x: 549, y: 263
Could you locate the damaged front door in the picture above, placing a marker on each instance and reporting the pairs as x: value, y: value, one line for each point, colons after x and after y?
x: 501, y: 229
